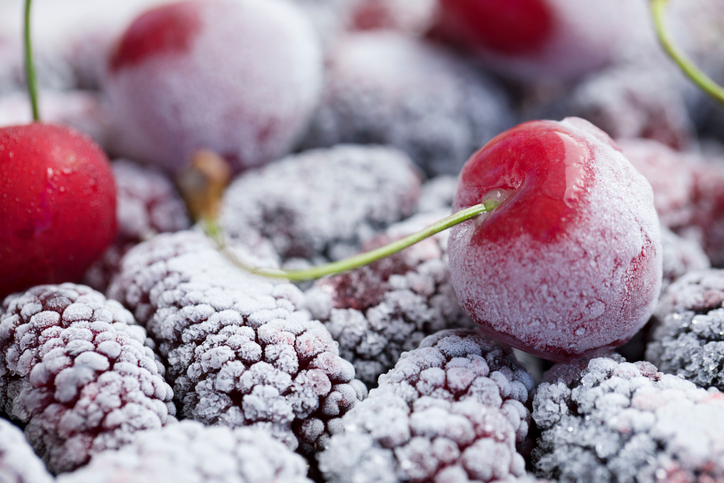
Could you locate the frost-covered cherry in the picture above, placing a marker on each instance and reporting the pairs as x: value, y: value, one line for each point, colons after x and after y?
x: 570, y: 262
x: 57, y: 208
x: 240, y: 77
x: 530, y: 39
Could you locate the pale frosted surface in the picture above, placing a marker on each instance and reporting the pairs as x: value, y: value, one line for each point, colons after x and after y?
x: 189, y: 452
x: 245, y: 88
x: 672, y: 175
x: 383, y: 87
x: 577, y: 292
x: 608, y: 420
x: 451, y: 410
x: 322, y: 203
x: 75, y: 369
x: 18, y: 462
x: 680, y: 256
x: 240, y: 351
x: 82, y: 110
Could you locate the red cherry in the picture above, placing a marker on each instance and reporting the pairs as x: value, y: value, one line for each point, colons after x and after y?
x: 570, y: 262
x: 508, y: 27
x: 58, y: 210
x: 238, y: 77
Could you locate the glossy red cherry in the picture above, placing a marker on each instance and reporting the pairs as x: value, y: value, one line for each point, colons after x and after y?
x: 58, y: 205
x: 570, y: 262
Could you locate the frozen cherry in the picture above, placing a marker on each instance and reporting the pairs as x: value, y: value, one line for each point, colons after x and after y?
x: 238, y: 77
x: 533, y: 39
x: 58, y: 208
x: 570, y: 261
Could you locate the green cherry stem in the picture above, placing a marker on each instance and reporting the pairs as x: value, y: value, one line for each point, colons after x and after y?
x: 30, y: 66
x: 658, y: 9
x: 214, y: 231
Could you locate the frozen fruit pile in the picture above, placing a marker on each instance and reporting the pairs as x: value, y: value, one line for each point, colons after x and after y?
x: 132, y: 348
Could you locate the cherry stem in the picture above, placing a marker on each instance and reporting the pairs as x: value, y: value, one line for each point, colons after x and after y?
x: 29, y: 66
x: 658, y: 9
x: 215, y: 232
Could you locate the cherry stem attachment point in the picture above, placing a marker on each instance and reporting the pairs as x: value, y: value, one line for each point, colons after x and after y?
x: 215, y: 232
x: 703, y: 81
x: 30, y: 66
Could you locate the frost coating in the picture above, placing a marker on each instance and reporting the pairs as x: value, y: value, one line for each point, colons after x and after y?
x: 689, y: 336
x: 323, y: 203
x: 248, y: 82
x: 592, y: 285
x: 451, y: 410
x: 18, y: 462
x: 379, y: 311
x: 189, y: 452
x: 608, y: 420
x: 240, y: 351
x: 147, y: 203
x: 386, y: 88
x: 75, y: 370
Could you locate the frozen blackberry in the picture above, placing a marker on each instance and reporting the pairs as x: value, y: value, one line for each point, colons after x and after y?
x: 452, y: 410
x: 18, y: 462
x: 240, y: 351
x: 379, y: 311
x: 383, y: 87
x: 689, y: 336
x: 680, y: 256
x: 147, y: 203
x: 189, y: 452
x: 322, y: 204
x: 75, y: 371
x: 609, y: 420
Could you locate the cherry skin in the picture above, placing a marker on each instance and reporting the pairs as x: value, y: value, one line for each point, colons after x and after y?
x: 509, y: 27
x: 58, y: 210
x: 570, y: 262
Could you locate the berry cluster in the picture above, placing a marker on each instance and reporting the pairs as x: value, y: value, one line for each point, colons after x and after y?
x: 452, y: 410
x: 240, y: 351
x: 609, y: 420
x: 189, y: 452
x: 302, y: 132
x: 75, y: 370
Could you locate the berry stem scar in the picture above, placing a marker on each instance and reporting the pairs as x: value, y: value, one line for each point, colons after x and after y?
x: 703, y: 81
x: 215, y: 232
x: 29, y: 65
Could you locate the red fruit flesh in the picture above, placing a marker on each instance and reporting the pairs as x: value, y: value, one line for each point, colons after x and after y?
x: 512, y: 27
x: 58, y: 210
x: 164, y: 30
x: 570, y: 262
